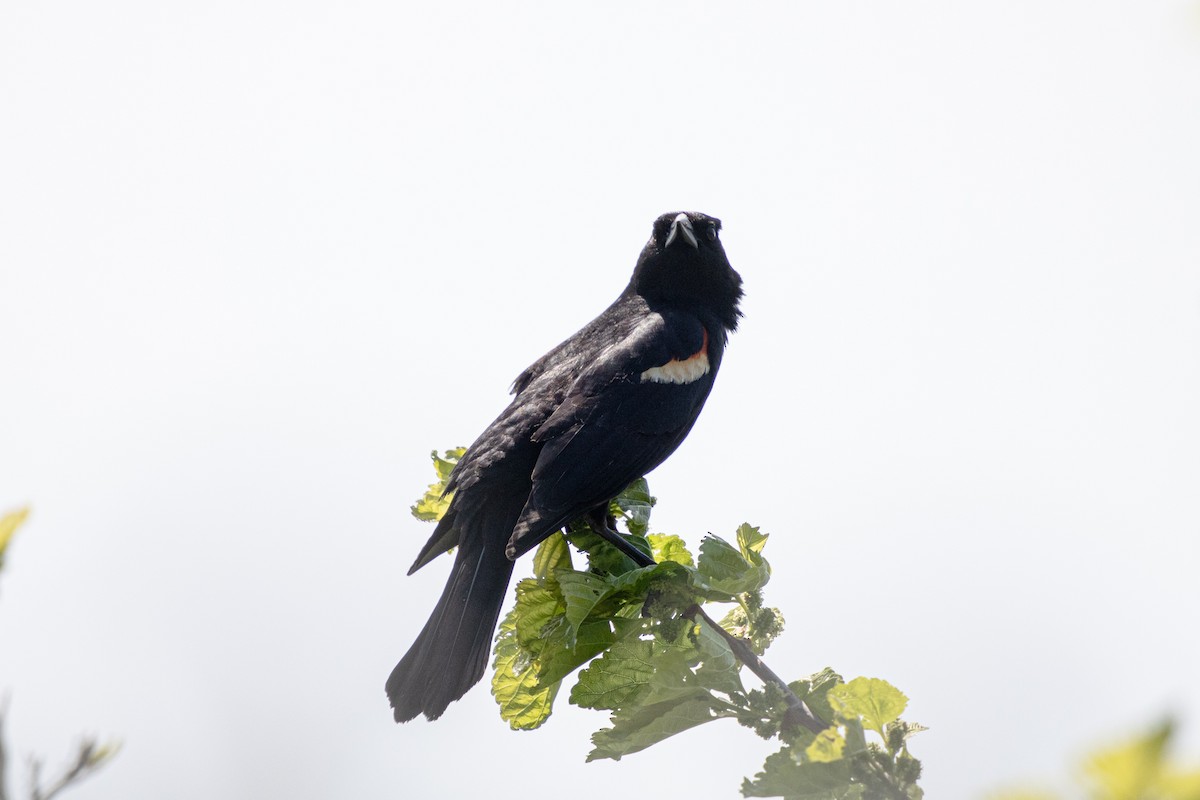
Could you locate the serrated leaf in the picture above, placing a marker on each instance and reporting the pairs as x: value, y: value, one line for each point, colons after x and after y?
x: 720, y: 670
x: 783, y: 775
x: 674, y: 679
x: 581, y: 591
x: 874, y: 700
x: 682, y: 691
x: 556, y: 660
x: 723, y: 568
x: 637, y: 582
x: 719, y: 560
x: 552, y: 554
x: 638, y: 727
x: 612, y: 680
x: 660, y: 591
x: 713, y: 648
x: 445, y: 465
x: 604, y: 558
x: 669, y: 547
x: 537, y: 607
x: 826, y: 747
x: 433, y: 504
x: 525, y: 703
x: 634, y: 505
x: 814, y: 691
x: 751, y: 542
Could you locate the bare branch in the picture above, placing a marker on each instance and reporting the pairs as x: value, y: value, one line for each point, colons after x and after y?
x: 798, y: 713
x: 88, y: 759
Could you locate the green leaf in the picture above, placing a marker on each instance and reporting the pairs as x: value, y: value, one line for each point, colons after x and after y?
x: 724, y: 568
x: 636, y: 583
x: 719, y: 560
x: 445, y: 465
x: 525, y: 703
x: 581, y: 591
x: 1136, y: 769
x: 552, y: 554
x: 538, y: 606
x: 1180, y: 785
x: 603, y: 558
x: 751, y: 542
x: 784, y: 775
x: 557, y: 660
x: 615, y: 678
x: 433, y: 504
x: 814, y: 691
x: 673, y: 678
x: 856, y: 737
x: 638, y: 727
x: 669, y: 547
x: 874, y: 700
x: 1131, y: 770
x: 721, y: 670
x: 8, y: 528
x: 826, y: 747
x: 634, y: 505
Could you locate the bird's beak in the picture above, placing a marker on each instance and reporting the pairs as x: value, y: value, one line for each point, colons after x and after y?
x: 681, y: 227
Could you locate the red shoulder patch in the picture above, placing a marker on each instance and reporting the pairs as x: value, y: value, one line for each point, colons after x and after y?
x: 681, y: 370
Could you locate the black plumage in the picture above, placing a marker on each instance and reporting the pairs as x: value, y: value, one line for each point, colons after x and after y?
x: 598, y: 411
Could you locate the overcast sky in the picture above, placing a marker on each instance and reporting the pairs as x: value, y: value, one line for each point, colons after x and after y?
x: 257, y: 259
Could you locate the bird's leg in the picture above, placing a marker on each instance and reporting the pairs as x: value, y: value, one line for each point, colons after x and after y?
x: 798, y: 713
x: 601, y: 524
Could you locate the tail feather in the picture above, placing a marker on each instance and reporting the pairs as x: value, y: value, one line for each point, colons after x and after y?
x: 451, y: 652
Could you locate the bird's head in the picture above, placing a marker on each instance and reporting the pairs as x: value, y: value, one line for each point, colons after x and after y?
x: 684, y: 264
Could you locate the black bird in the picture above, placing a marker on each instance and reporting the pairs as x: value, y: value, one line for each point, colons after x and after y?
x: 594, y: 414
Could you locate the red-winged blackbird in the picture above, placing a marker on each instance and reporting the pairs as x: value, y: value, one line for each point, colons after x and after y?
x: 594, y: 414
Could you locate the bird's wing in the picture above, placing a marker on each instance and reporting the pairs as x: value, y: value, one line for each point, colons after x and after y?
x: 624, y: 414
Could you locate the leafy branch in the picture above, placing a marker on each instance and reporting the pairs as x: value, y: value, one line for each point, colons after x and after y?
x: 631, y: 621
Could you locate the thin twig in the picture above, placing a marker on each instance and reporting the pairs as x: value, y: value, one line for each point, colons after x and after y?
x: 85, y: 762
x: 35, y: 776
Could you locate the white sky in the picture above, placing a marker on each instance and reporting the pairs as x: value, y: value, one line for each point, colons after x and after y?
x: 258, y: 258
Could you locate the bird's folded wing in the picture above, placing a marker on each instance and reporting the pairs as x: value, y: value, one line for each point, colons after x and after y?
x: 623, y: 389
x: 620, y: 419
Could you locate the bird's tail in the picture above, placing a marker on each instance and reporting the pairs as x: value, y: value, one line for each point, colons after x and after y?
x: 451, y: 652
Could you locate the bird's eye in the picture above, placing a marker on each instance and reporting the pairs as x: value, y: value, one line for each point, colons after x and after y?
x: 712, y: 233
